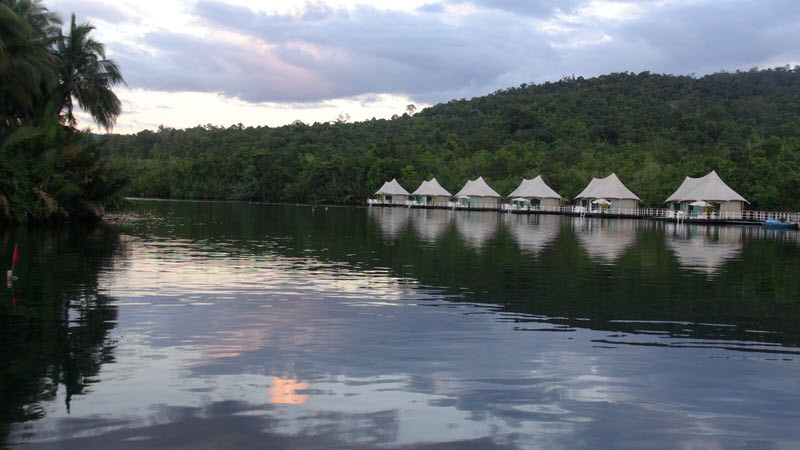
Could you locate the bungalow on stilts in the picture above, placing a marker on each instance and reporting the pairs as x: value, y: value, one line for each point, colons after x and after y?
x: 390, y: 194
x: 431, y: 193
x: 476, y: 194
x: 534, y: 195
x: 608, y: 195
x: 707, y: 197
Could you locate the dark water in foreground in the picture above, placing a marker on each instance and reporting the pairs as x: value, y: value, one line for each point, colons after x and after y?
x: 186, y: 324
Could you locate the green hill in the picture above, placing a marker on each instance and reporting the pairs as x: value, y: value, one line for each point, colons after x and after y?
x: 652, y: 130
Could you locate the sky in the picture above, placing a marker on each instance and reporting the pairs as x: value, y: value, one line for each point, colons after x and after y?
x: 224, y: 62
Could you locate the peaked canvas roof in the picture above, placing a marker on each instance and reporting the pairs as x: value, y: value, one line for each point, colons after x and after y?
x: 534, y: 188
x: 710, y: 187
x: 431, y: 187
x: 392, y: 188
x: 608, y: 187
x: 477, y: 188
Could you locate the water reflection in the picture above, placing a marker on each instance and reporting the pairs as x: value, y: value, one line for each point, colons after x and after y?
x: 55, y: 320
x: 331, y: 330
x: 289, y: 391
x: 702, y: 247
x: 476, y: 227
x: 533, y: 233
x: 391, y: 221
x: 431, y: 224
x: 605, y: 239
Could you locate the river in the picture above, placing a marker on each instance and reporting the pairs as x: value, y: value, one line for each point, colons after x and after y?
x: 230, y: 325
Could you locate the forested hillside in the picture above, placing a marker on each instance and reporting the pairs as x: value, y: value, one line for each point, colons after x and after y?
x: 652, y: 130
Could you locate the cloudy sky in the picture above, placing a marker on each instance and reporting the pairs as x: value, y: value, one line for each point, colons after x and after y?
x: 224, y: 62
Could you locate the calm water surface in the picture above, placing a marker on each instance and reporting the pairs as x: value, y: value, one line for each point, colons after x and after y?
x: 185, y: 324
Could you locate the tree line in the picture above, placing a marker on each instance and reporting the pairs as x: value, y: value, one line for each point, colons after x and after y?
x: 651, y: 129
x: 49, y: 170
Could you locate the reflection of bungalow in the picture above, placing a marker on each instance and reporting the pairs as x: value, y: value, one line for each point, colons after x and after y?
x: 392, y: 222
x: 477, y: 194
x: 605, y: 239
x: 724, y: 201
x: 476, y: 227
x: 535, y: 194
x: 611, y: 189
x: 533, y: 233
x: 431, y: 193
x: 391, y: 193
x: 430, y: 223
x: 704, y: 248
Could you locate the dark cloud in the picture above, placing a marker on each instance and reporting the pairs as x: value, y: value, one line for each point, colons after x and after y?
x: 187, y: 63
x: 327, y: 54
x: 331, y: 53
x: 696, y: 38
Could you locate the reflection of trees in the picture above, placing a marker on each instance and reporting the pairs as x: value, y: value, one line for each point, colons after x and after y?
x: 56, y: 336
x: 644, y: 281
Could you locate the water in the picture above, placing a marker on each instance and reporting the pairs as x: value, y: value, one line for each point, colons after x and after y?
x: 185, y: 324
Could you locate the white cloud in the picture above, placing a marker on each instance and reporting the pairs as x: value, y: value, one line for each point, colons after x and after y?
x: 238, y: 55
x: 147, y: 109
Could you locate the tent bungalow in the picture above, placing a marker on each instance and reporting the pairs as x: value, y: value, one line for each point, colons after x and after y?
x: 431, y: 193
x: 477, y: 194
x: 391, y: 193
x: 535, y: 194
x: 696, y: 196
x: 607, y: 191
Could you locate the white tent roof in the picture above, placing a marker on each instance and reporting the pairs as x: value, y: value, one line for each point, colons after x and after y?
x: 477, y: 188
x: 710, y: 188
x: 608, y: 187
x: 392, y: 188
x: 432, y: 188
x: 536, y: 188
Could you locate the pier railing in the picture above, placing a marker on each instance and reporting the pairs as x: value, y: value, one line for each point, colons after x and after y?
x: 747, y: 216
x: 597, y: 210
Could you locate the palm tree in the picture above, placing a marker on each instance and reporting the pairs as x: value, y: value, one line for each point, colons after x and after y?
x: 27, y: 69
x: 86, y: 76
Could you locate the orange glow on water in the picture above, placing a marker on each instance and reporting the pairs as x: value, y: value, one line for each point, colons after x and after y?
x: 284, y: 391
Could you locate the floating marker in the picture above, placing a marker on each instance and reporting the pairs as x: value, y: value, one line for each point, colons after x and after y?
x: 14, y: 261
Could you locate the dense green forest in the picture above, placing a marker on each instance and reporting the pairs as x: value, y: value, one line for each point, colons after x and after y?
x: 652, y: 130
x: 49, y: 170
